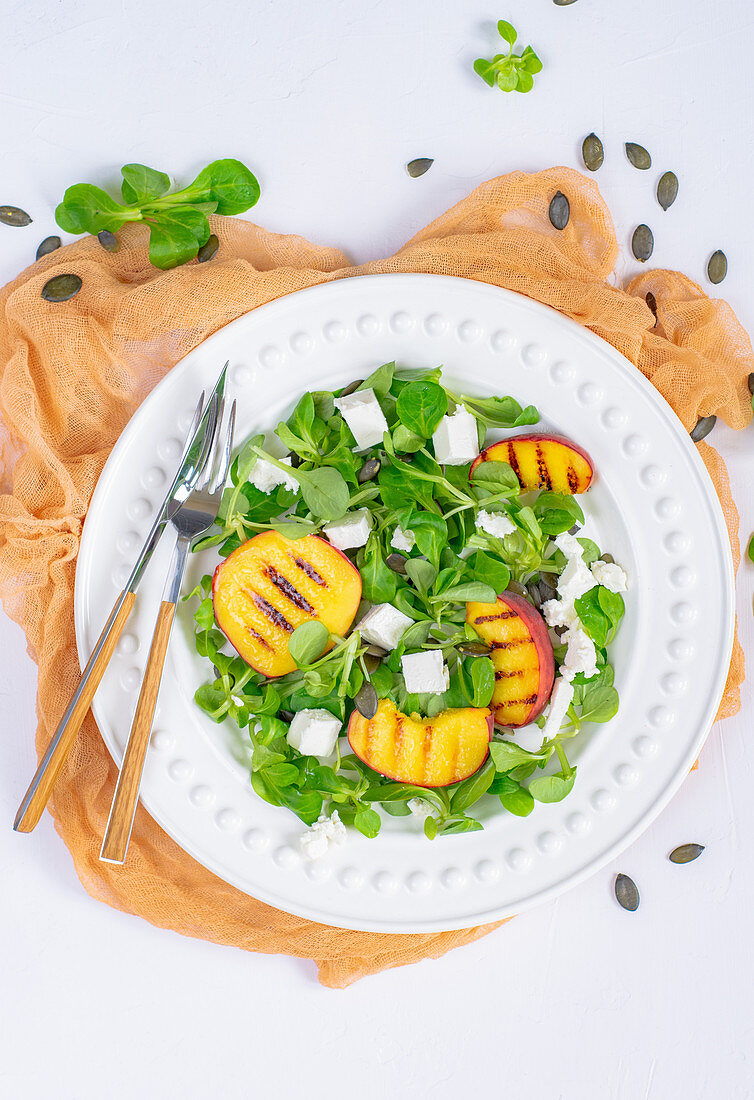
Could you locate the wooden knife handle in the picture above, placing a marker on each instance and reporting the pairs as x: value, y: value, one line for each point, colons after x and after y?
x: 40, y: 788
x: 123, y: 809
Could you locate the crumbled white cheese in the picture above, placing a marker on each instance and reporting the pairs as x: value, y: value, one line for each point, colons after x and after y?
x: 364, y: 416
x: 581, y: 656
x: 352, y: 530
x: 456, y: 439
x: 425, y: 672
x: 610, y: 576
x: 419, y: 808
x: 528, y: 737
x: 383, y: 625
x: 267, y: 477
x: 314, y: 732
x: 494, y: 523
x: 575, y: 580
x: 315, y: 842
x: 403, y: 540
x: 560, y: 701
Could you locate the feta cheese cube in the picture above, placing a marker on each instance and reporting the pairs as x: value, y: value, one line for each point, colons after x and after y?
x: 456, y: 440
x: 314, y: 732
x: 315, y: 842
x: 494, y: 523
x: 425, y: 672
x: 352, y: 530
x: 403, y: 540
x: 560, y: 701
x: 610, y: 576
x: 267, y: 477
x: 363, y: 415
x: 581, y: 656
x: 383, y: 625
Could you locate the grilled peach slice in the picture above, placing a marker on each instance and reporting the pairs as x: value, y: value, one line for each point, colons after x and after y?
x: 426, y: 752
x: 270, y: 585
x: 543, y: 462
x: 522, y: 656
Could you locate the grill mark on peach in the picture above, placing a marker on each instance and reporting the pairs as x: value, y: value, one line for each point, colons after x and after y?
x: 511, y: 645
x: 542, y: 470
x: 501, y: 674
x: 513, y: 463
x: 310, y: 571
x: 426, y: 747
x: 290, y: 592
x: 572, y: 478
x: 494, y: 618
x: 258, y: 637
x: 529, y: 701
x: 398, y: 740
x: 277, y: 618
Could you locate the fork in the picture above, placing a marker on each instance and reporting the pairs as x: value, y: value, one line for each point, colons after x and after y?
x: 190, y: 519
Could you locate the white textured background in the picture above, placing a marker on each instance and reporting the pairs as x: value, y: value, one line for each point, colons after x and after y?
x: 326, y: 102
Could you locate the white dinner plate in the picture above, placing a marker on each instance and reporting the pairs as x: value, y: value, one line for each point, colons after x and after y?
x: 652, y: 506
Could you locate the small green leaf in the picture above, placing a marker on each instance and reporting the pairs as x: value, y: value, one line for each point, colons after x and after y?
x: 421, y: 406
x: 464, y: 593
x: 140, y: 184
x: 308, y: 642
x: 368, y: 822
x: 325, y: 492
x: 88, y: 209
x: 507, y: 79
x: 514, y: 798
x: 229, y: 183
x: 524, y: 81
x: 486, y: 70
x: 507, y: 32
x: 175, y: 236
x: 506, y: 755
x: 530, y: 62
x: 551, y: 788
x: 750, y: 550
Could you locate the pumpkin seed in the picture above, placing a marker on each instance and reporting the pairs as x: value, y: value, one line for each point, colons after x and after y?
x: 48, y: 245
x: 371, y: 662
x: 626, y: 893
x: 717, y: 268
x: 108, y: 240
x: 396, y: 562
x: 474, y: 649
x: 751, y: 383
x: 686, y: 853
x: 703, y: 427
x: 368, y: 471
x: 418, y: 167
x: 563, y: 3
x: 207, y: 251
x: 642, y: 243
x: 61, y: 288
x: 638, y: 156
x: 285, y: 715
x: 373, y: 650
x: 575, y: 529
x: 13, y: 215
x: 516, y: 587
x: 296, y: 460
x: 546, y: 590
x: 534, y: 595
x: 608, y: 559
x: 351, y: 387
x: 667, y: 190
x: 366, y: 701
x: 560, y: 210
x: 592, y: 152
x: 652, y: 303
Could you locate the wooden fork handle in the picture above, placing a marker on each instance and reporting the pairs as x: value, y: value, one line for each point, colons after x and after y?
x: 123, y: 809
x: 40, y: 788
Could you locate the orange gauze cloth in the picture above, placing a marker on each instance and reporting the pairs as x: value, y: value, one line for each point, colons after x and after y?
x: 73, y: 374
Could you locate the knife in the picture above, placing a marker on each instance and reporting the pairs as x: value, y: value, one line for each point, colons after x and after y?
x: 199, y: 441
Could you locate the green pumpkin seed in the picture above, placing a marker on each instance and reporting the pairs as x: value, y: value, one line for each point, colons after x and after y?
x: 285, y: 715
x: 207, y: 251
x: 108, y: 240
x: 652, y: 303
x: 13, y: 215
x: 608, y: 559
x: 642, y: 243
x: 560, y: 210
x: 638, y: 156
x: 371, y: 662
x: 592, y: 152
x: 703, y: 427
x: 563, y: 3
x: 61, y: 288
x: 751, y: 383
x: 626, y: 893
x: 575, y: 529
x: 474, y: 649
x: 546, y: 590
x: 48, y: 245
x: 717, y: 268
x: 296, y: 460
x: 351, y: 387
x: 373, y: 650
x: 686, y: 853
x: 366, y: 701
x: 667, y: 190
x: 517, y: 588
x: 396, y: 562
x: 368, y: 471
x: 418, y: 167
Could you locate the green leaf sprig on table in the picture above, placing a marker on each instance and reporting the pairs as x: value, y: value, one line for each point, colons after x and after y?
x: 178, y: 225
x: 509, y: 71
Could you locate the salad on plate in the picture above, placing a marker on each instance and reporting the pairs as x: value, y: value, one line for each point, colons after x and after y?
x: 407, y: 618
